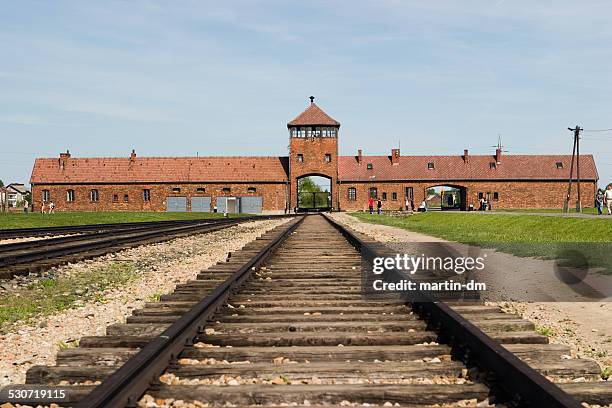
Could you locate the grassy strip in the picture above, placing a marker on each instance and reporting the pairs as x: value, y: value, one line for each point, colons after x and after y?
x: 35, y: 220
x: 54, y: 294
x: 545, y: 210
x: 579, y: 242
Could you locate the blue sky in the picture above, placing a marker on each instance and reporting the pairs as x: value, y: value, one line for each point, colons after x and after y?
x: 224, y: 78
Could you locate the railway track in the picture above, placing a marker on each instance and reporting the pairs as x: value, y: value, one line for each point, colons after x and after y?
x: 284, y: 322
x: 22, y: 258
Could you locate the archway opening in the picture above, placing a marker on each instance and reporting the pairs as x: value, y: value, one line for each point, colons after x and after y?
x: 314, y: 193
x: 446, y: 198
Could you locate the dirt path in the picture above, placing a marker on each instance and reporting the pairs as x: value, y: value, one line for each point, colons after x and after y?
x: 584, y: 325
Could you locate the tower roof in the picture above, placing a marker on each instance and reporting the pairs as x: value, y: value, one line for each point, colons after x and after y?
x: 313, y: 115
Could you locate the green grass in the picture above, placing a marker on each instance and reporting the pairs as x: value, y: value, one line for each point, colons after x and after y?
x: 52, y: 295
x: 545, y: 210
x: 35, y: 220
x: 548, y: 237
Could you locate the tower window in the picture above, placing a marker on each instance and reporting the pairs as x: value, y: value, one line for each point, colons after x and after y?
x: 328, y: 158
x: 300, y: 158
x: 352, y: 194
x: 94, y: 196
x: 559, y: 165
x: 146, y: 194
x: 70, y: 195
x: 430, y: 166
x: 492, y: 165
x: 370, y: 166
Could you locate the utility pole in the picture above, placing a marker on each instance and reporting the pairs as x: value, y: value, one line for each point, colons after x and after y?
x: 575, y: 156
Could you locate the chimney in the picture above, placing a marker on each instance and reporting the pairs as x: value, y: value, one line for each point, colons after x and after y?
x: 359, y: 156
x: 133, y: 155
x: 466, y: 156
x: 395, y: 156
x: 498, y: 153
x: 63, y: 159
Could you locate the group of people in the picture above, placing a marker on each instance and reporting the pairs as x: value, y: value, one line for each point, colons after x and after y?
x: 604, y: 198
x: 484, y: 204
x: 47, y: 207
x: 378, y: 206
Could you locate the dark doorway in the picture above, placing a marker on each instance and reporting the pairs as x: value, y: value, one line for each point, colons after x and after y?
x: 314, y: 193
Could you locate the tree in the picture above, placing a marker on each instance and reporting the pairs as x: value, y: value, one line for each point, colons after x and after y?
x: 306, y: 184
x: 1, y: 183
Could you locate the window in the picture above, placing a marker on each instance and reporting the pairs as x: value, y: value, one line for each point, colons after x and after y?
x: 394, y: 196
x: 384, y: 196
x: 70, y: 195
x: 300, y: 158
x: 328, y: 158
x: 146, y: 194
x: 559, y: 165
x: 370, y: 166
x: 409, y: 193
x: 200, y: 190
x: 226, y: 190
x: 430, y: 166
x: 126, y: 198
x: 94, y: 196
x: 373, y: 192
x: 492, y: 165
x: 251, y: 190
x: 115, y: 198
x: 45, y: 195
x: 352, y: 194
x: 495, y: 196
x: 480, y: 195
x: 176, y: 190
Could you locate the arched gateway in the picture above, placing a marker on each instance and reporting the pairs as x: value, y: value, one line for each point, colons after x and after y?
x: 313, y: 151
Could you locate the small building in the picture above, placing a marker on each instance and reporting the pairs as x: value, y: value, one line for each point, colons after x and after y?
x: 13, y: 197
x: 270, y: 184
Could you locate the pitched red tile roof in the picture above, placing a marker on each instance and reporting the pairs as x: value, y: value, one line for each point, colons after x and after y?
x: 160, y: 169
x: 511, y: 167
x: 313, y: 115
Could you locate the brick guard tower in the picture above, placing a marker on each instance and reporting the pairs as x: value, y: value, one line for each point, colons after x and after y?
x: 313, y: 150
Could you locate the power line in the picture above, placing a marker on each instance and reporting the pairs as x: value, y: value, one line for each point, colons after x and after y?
x: 598, y: 130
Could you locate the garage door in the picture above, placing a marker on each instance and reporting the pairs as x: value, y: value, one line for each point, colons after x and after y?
x: 176, y: 204
x: 200, y: 204
x: 251, y: 205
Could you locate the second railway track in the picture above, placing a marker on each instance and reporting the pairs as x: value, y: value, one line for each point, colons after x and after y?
x: 22, y: 258
x: 283, y: 322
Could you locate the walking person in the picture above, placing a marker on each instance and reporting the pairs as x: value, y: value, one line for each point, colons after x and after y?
x: 371, y: 205
x: 51, y: 208
x: 43, y: 207
x: 599, y: 201
x: 608, y: 198
x: 379, y: 207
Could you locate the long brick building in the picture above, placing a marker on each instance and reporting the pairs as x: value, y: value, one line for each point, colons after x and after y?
x: 270, y: 184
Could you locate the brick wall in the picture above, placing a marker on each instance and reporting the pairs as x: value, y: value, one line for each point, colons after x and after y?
x: 511, y: 194
x: 273, y: 195
x: 313, y: 151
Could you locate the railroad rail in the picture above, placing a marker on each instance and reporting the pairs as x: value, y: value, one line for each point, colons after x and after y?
x: 21, y: 258
x: 283, y: 321
x: 86, y: 228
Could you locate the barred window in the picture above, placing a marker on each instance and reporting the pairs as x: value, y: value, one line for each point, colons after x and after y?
x: 146, y: 194
x: 46, y: 196
x: 70, y: 195
x: 394, y: 196
x: 352, y: 194
x: 373, y: 192
x: 94, y: 196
